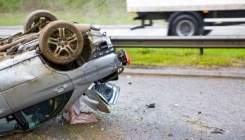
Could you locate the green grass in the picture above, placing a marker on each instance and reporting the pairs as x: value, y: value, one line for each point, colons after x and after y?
x: 10, y: 19
x: 187, y: 57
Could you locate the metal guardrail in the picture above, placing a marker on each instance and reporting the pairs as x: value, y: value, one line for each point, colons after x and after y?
x: 179, y: 42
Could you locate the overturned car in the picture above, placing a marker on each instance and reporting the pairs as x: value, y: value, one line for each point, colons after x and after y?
x: 48, y: 67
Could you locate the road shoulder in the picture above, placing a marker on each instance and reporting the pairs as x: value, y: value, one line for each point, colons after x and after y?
x: 224, y: 72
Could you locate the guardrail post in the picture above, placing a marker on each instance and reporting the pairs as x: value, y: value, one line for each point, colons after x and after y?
x: 201, y: 51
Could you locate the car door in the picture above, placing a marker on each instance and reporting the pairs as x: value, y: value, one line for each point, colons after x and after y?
x: 4, y: 107
x: 31, y: 82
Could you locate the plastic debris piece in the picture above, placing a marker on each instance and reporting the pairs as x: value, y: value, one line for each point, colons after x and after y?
x: 170, y: 135
x: 176, y: 105
x: 217, y: 130
x: 129, y: 83
x: 151, y: 105
x: 74, y: 115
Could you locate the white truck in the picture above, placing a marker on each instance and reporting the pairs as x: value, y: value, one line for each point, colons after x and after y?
x: 188, y: 17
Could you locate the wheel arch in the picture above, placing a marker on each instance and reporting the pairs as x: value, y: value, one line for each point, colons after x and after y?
x: 47, y: 51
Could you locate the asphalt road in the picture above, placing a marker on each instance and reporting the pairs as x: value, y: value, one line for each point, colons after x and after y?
x: 186, y: 108
x: 159, y: 30
x: 156, y: 30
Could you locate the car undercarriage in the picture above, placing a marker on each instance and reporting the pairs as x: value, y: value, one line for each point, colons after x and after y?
x: 49, y: 66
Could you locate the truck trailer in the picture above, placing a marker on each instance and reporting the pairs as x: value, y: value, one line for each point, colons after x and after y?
x: 188, y: 17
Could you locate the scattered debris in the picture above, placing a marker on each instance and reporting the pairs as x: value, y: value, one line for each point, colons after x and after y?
x: 170, y: 135
x: 192, y: 121
x: 217, y: 130
x: 128, y: 78
x: 175, y: 105
x: 199, y: 112
x: 74, y: 115
x: 151, y: 105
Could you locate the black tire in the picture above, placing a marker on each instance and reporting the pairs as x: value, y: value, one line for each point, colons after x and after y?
x: 41, y: 17
x: 185, y: 25
x: 61, y: 42
x: 206, y: 32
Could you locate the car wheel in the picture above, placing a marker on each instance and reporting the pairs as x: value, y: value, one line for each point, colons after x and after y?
x: 37, y: 20
x: 185, y: 25
x: 61, y: 42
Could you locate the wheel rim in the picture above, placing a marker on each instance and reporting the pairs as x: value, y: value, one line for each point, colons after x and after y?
x: 185, y: 28
x: 63, y: 43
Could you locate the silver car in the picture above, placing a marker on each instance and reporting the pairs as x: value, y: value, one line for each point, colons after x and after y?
x: 44, y: 71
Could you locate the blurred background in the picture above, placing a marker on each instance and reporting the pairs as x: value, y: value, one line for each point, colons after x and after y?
x: 13, y: 12
x: 116, y: 20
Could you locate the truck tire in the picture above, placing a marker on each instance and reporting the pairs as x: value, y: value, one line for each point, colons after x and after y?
x: 206, y: 32
x: 185, y: 25
x: 61, y: 42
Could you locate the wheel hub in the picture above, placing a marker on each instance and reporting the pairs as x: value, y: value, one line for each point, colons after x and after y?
x: 62, y: 42
x: 185, y: 28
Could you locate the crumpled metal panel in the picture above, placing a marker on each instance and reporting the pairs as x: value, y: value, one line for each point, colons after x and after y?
x: 20, y: 72
x: 104, y: 65
x: 30, y: 82
x: 96, y: 37
x: 8, y: 61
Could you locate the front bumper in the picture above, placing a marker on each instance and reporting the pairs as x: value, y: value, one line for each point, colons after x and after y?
x: 100, y: 96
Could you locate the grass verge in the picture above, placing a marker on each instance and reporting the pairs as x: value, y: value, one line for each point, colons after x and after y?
x: 186, y: 57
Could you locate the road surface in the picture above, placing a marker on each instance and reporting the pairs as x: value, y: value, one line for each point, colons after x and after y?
x: 186, y: 108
